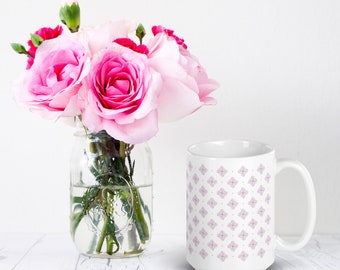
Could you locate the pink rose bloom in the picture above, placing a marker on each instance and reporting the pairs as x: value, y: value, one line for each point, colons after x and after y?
x: 186, y: 85
x: 50, y: 87
x: 120, y: 95
x: 101, y: 35
x: 45, y: 33
x: 160, y: 29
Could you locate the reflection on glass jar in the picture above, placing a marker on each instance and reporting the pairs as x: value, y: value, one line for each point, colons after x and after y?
x: 111, y: 196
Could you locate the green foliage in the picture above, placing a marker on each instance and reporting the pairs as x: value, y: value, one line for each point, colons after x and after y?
x: 110, y: 163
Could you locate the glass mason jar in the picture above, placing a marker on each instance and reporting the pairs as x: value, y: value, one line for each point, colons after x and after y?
x: 111, y: 196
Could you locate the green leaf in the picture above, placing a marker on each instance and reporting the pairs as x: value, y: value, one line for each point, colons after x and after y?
x: 36, y: 40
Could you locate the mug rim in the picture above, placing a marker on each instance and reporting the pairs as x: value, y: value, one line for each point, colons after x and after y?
x: 266, y: 149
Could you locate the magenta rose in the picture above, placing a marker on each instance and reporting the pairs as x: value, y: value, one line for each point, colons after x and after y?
x: 186, y: 85
x: 126, y: 42
x: 45, y: 33
x: 120, y: 95
x: 51, y: 85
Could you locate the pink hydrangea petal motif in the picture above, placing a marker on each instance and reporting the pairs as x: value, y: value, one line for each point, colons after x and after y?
x: 252, y: 202
x: 222, y: 171
x: 233, y: 225
x: 212, y: 203
x: 222, y: 193
x: 203, y: 191
x: 190, y: 166
x: 203, y: 233
x: 222, y: 235
x: 261, y: 252
x: 252, y: 223
x: 243, y: 214
x: 190, y: 208
x: 232, y: 246
x: 195, y: 178
x: 232, y: 182
x: 261, y: 232
x: 212, y: 245
x: 252, y: 181
x: 261, y: 168
x: 243, y: 171
x: 261, y: 211
x: 212, y: 181
x: 190, y: 228
x: 222, y: 256
x: 190, y: 249
x: 196, y: 220
x: 203, y: 212
x: 195, y: 199
x: 222, y: 214
x: 212, y: 224
x: 190, y: 188
x: 243, y: 235
x: 261, y: 190
x: 243, y: 256
x: 232, y: 204
x: 203, y: 254
x: 196, y: 241
x: 252, y: 244
x: 243, y: 192
x: 203, y: 169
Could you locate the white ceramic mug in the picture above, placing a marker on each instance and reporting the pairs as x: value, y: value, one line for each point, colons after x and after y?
x: 230, y: 205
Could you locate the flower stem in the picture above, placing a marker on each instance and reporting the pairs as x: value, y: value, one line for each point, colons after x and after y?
x: 141, y: 224
x: 76, y: 220
x: 102, y: 235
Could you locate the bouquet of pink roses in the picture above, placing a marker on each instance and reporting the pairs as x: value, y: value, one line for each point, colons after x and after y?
x: 118, y: 89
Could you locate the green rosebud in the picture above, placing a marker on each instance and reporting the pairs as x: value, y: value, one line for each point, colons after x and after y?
x: 69, y: 15
x: 36, y: 40
x: 18, y: 48
x: 140, y: 32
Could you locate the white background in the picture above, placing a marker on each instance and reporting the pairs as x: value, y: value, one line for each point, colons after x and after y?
x: 278, y: 64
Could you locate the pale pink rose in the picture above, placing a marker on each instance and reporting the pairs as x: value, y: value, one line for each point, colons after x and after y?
x: 50, y: 86
x: 100, y: 36
x: 45, y: 33
x: 186, y: 85
x: 120, y: 95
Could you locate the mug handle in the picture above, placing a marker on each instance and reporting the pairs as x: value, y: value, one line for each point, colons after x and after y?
x: 311, y: 207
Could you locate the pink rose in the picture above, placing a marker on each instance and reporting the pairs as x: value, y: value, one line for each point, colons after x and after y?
x: 50, y: 87
x: 186, y: 85
x: 100, y: 36
x: 120, y: 95
x: 160, y: 29
x: 45, y: 33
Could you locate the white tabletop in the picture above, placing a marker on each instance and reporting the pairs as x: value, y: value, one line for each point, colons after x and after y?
x: 31, y: 251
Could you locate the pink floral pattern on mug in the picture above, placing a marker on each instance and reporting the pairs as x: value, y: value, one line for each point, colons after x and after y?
x: 242, y: 222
